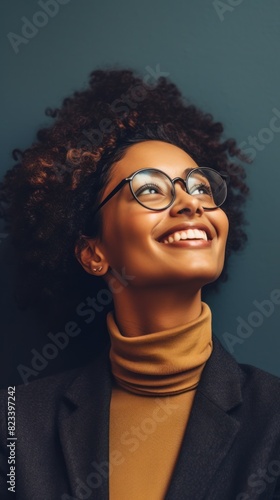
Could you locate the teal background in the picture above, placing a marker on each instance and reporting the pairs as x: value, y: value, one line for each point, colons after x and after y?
x: 224, y: 59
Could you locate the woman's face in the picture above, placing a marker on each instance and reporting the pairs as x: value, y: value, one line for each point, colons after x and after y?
x: 136, y: 241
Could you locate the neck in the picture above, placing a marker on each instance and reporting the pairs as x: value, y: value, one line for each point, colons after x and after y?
x: 140, y: 312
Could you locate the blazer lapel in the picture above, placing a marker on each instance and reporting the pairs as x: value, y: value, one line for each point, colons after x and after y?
x: 210, y: 430
x: 84, y: 431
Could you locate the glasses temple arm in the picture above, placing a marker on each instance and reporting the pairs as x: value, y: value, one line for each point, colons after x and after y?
x: 110, y: 195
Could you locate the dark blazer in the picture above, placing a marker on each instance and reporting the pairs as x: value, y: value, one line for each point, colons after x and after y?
x: 230, y: 451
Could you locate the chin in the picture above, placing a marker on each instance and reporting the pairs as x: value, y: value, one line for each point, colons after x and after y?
x: 202, y: 278
x: 213, y: 277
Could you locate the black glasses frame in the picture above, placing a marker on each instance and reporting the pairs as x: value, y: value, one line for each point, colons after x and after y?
x: 224, y: 177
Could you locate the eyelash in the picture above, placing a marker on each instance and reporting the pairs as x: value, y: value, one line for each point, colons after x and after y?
x: 207, y: 189
x: 146, y: 186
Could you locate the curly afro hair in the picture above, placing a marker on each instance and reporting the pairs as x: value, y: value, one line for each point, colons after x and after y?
x: 49, y: 196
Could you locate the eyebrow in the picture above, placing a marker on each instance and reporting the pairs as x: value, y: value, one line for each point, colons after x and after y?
x: 188, y: 170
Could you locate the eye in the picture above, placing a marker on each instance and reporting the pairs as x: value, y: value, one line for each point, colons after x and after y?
x: 201, y: 189
x: 149, y: 189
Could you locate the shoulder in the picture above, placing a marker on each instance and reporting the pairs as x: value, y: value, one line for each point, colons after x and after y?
x: 256, y: 376
x: 40, y: 395
x: 260, y: 386
x: 44, y: 395
x: 228, y: 381
x: 249, y: 374
x: 260, y: 395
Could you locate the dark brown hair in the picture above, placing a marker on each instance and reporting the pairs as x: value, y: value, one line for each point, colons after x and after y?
x: 51, y: 193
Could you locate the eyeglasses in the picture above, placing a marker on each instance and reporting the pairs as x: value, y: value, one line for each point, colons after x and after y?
x: 155, y: 190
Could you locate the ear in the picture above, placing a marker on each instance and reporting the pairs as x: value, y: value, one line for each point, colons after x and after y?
x: 88, y: 252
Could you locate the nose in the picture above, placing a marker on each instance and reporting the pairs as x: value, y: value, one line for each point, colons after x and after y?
x: 185, y: 202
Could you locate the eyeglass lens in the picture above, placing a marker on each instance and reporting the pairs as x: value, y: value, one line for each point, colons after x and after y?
x: 154, y: 189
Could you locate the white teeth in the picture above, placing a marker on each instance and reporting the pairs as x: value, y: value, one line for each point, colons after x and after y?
x: 203, y: 235
x: 189, y: 234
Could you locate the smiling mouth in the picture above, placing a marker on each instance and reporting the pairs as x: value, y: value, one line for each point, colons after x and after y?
x: 187, y: 234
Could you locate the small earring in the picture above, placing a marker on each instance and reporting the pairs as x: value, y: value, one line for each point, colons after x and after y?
x: 97, y: 269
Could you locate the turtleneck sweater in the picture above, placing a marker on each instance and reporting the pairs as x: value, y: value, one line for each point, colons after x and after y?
x: 154, y: 383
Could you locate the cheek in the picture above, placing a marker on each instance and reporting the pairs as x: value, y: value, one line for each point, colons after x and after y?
x: 222, y: 231
x: 124, y: 234
x: 221, y: 224
x: 225, y: 226
x: 129, y: 222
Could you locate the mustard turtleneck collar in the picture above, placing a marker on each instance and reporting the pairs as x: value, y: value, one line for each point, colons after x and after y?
x: 161, y: 363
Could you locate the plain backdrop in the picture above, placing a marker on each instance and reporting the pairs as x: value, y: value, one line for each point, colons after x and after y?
x: 224, y: 56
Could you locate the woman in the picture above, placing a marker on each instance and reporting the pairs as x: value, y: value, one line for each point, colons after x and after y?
x: 134, y: 188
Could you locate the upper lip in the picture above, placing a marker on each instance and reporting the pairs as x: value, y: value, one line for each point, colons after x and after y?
x: 184, y: 227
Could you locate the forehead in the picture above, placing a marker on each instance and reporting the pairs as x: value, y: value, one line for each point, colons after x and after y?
x: 152, y: 154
